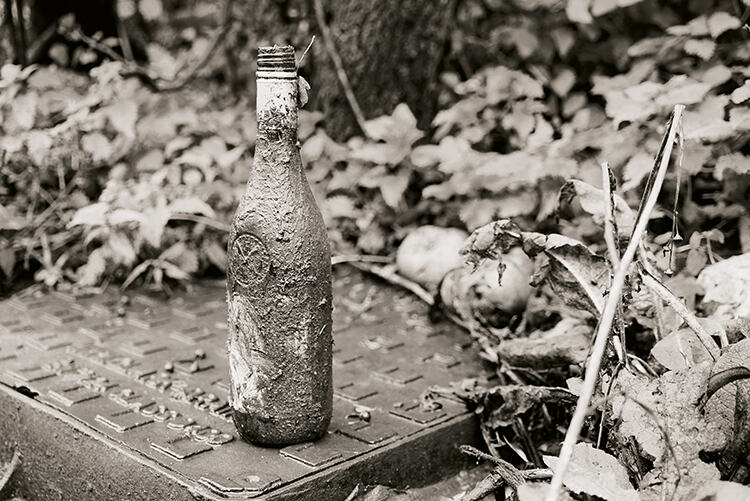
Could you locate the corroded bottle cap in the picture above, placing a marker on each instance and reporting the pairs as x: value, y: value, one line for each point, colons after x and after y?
x: 276, y: 60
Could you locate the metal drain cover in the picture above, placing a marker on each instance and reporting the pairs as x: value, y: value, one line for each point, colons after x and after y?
x: 148, y: 377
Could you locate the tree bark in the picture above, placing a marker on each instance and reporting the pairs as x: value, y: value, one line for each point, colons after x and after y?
x: 391, y: 52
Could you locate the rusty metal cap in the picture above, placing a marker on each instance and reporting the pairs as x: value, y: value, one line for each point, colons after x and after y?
x: 276, y: 59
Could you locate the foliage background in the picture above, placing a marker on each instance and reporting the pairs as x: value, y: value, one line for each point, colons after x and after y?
x: 105, y: 179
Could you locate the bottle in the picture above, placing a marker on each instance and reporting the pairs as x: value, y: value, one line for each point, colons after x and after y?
x: 279, y: 279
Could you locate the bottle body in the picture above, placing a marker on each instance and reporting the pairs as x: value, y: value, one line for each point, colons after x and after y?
x: 279, y: 283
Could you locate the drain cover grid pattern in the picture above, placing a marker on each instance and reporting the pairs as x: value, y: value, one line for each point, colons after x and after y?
x: 153, y: 376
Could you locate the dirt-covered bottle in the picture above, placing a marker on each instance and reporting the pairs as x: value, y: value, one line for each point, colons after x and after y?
x: 279, y: 279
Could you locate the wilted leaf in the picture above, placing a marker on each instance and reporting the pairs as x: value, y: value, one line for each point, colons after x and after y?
x: 565, y: 344
x: 672, y: 400
x: 578, y: 276
x: 596, y: 473
x: 505, y: 403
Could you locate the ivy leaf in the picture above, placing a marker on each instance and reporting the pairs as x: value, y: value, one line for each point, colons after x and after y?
x: 91, y: 272
x: 578, y: 11
x: 732, y: 162
x: 704, y: 49
x: 191, y: 205
x: 98, y: 146
x: 592, y: 202
x: 154, y: 221
x: 182, y: 257
x: 719, y: 22
x: 741, y: 94
x: 91, y: 215
x: 122, y: 115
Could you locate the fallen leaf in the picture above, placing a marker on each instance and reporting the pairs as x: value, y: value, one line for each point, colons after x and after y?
x: 597, y: 473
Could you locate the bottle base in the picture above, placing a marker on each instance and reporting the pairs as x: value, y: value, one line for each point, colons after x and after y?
x: 273, y: 434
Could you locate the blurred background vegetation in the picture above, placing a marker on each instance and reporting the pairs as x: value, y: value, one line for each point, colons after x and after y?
x: 127, y: 127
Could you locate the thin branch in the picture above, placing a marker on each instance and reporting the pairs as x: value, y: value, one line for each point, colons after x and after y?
x: 690, y: 319
x: 607, y: 318
x: 396, y: 279
x: 8, y: 14
x: 359, y: 258
x: 218, y: 38
x: 339, y: 65
x: 21, y: 27
x: 122, y: 34
x: 184, y: 74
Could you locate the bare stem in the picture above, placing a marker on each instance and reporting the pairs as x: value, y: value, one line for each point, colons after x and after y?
x: 608, y: 315
x: 396, y: 279
x: 664, y: 293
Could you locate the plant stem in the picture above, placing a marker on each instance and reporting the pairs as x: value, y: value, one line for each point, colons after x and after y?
x: 605, y: 323
x: 664, y: 293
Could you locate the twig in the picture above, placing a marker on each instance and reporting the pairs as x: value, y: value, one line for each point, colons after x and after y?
x: 12, y: 29
x: 504, y: 473
x: 339, y: 65
x: 122, y: 34
x: 396, y: 279
x: 21, y: 27
x: 607, y: 318
x: 221, y: 33
x: 187, y: 73
x: 309, y: 46
x: 359, y: 258
x: 664, y: 293
x: 353, y: 495
x: 34, y: 52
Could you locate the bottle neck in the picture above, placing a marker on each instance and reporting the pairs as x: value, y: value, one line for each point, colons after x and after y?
x: 276, y: 106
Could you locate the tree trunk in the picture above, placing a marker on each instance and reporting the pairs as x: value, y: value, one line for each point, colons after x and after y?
x: 391, y: 52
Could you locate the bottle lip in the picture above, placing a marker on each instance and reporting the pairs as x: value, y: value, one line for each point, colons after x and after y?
x: 276, y: 59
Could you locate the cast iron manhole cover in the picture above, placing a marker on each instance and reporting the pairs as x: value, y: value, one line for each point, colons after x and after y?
x: 152, y: 379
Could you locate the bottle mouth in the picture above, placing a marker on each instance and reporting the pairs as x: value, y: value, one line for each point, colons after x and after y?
x: 276, y: 59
